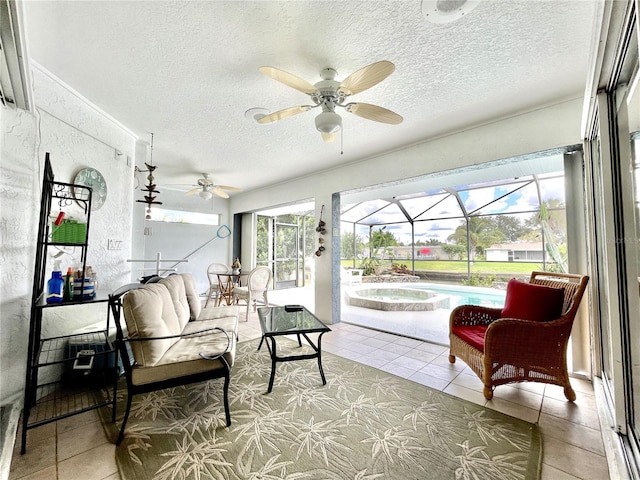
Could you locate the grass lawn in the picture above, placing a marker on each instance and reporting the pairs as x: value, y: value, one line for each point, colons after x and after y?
x: 461, y: 267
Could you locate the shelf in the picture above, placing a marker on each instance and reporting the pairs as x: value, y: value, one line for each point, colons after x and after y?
x: 54, y: 389
x: 54, y: 350
x: 58, y: 401
x: 101, y: 296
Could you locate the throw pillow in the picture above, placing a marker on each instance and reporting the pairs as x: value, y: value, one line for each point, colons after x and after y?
x: 532, y: 302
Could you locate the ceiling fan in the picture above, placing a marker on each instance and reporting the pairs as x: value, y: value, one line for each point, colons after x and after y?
x: 206, y: 188
x: 330, y: 93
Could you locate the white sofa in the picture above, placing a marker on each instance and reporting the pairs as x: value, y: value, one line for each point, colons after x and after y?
x: 168, y: 339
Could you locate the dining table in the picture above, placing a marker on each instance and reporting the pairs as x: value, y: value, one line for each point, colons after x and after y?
x: 226, y: 283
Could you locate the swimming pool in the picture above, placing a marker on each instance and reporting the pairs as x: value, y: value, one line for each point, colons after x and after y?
x: 422, y: 296
x: 464, y: 295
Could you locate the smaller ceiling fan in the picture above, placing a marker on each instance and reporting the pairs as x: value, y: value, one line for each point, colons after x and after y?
x: 330, y: 93
x: 206, y: 188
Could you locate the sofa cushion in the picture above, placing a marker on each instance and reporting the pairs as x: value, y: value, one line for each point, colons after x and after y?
x: 183, y: 357
x: 472, y: 334
x: 193, y: 299
x: 149, y: 312
x: 528, y: 301
x: 176, y: 287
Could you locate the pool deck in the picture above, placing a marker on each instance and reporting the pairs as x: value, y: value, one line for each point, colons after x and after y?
x: 431, y: 326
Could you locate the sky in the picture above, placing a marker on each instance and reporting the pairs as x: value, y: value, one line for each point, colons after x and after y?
x: 476, y: 199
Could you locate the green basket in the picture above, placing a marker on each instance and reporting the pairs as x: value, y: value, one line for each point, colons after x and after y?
x: 69, y: 231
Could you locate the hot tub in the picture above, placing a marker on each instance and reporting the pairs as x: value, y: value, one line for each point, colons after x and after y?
x: 396, y: 299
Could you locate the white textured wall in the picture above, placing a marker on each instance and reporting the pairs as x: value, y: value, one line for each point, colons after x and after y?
x: 176, y: 240
x: 76, y: 135
x: 19, y: 185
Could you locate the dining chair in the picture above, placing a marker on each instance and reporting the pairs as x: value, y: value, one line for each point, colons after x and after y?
x: 258, y: 284
x: 212, y: 275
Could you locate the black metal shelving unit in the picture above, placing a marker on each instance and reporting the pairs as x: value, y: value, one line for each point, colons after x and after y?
x: 53, y: 400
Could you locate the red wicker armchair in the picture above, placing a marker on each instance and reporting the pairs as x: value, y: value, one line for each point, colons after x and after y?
x: 515, y: 350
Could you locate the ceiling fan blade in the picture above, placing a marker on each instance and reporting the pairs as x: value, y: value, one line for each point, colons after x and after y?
x: 289, y: 79
x: 282, y: 114
x: 329, y: 137
x: 226, y: 187
x: 366, y: 77
x: 193, y: 191
x: 221, y: 193
x: 374, y: 112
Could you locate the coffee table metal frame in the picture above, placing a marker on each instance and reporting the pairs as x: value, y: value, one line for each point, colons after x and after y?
x: 285, y: 326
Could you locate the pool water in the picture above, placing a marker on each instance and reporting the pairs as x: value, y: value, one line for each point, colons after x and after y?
x: 463, y: 295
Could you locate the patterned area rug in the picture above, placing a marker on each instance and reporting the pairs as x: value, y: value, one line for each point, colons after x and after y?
x: 364, y: 424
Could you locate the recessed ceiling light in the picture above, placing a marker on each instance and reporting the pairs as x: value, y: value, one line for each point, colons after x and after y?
x: 256, y: 113
x: 445, y: 11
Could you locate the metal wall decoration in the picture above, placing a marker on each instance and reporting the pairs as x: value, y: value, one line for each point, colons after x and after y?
x: 150, y: 188
x: 321, y: 232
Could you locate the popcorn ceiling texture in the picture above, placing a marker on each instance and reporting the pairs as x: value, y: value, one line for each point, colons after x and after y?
x: 77, y: 136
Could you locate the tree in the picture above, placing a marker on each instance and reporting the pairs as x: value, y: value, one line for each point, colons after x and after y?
x: 382, y: 239
x: 347, y: 241
x: 483, y: 232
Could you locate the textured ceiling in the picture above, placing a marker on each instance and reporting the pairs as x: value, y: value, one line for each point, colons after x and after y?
x: 188, y: 71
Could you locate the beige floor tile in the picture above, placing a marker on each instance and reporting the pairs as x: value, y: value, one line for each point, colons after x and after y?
x: 95, y: 464
x: 408, y: 342
x: 424, y: 378
x: 49, y: 473
x: 433, y: 348
x: 40, y: 454
x: 78, y: 440
x: 443, y: 361
x: 469, y: 381
x: 396, y: 348
x: 350, y: 354
x: 513, y: 409
x: 361, y: 348
x: 578, y: 435
x: 572, y: 412
x: 409, y: 363
x: 373, y: 361
x: 398, y: 370
x: 552, y: 473
x: 574, y: 460
x: 521, y: 397
x: 384, y: 355
x: 459, y: 391
x: 77, y: 421
x: 440, y: 372
x: 375, y: 342
x: 423, y: 355
x: 534, y: 387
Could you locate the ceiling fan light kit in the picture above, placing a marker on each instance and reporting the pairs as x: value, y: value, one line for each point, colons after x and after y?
x: 330, y: 94
x: 206, y: 194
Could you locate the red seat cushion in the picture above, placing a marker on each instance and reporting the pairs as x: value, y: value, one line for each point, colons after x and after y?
x: 472, y: 334
x: 532, y: 302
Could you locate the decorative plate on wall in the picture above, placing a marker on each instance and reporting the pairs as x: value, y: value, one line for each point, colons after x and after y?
x: 90, y: 177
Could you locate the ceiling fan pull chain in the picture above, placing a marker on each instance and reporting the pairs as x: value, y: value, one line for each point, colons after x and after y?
x: 342, y: 141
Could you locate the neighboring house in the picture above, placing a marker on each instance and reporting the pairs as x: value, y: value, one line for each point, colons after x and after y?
x: 515, y: 252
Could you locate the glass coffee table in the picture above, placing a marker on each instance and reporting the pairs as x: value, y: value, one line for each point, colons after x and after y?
x: 290, y: 320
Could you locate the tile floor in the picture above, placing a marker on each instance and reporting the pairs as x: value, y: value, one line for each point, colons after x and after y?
x: 77, y: 448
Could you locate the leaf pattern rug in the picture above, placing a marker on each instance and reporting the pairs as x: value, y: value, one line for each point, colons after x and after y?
x: 364, y: 424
